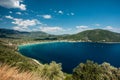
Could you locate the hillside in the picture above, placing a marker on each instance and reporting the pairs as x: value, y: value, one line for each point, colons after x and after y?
x: 14, y: 34
x: 9, y: 55
x: 96, y: 35
x: 12, y: 63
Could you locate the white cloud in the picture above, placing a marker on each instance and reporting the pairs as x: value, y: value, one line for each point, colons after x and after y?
x: 23, y: 24
x: 47, y: 16
x: 97, y: 25
x: 9, y: 17
x: 18, y: 28
x: 60, y: 12
x: 51, y: 29
x: 10, y: 12
x: 56, y: 30
x: 13, y: 4
x: 19, y: 13
x: 109, y: 28
x: 72, y: 14
x: 82, y: 27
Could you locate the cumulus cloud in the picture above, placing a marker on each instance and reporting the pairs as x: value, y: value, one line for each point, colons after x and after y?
x: 60, y: 12
x: 51, y: 29
x: 109, y: 28
x: 97, y: 25
x: 47, y: 16
x: 82, y: 27
x: 22, y: 24
x: 72, y: 14
x: 19, y: 13
x: 13, y: 4
x: 9, y: 17
x: 10, y: 12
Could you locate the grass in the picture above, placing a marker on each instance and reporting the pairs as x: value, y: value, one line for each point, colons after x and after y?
x: 12, y: 73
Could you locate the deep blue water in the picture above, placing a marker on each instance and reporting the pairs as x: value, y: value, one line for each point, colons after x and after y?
x: 70, y: 54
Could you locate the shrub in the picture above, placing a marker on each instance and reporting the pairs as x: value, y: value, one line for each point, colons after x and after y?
x: 87, y: 71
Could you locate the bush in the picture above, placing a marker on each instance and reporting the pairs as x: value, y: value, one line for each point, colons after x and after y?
x: 93, y: 71
x: 53, y: 71
x: 87, y: 71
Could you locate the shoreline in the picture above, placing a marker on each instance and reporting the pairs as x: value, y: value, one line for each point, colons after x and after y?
x: 44, y: 42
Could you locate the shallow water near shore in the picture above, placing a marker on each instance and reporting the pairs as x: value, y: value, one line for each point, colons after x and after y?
x: 70, y: 54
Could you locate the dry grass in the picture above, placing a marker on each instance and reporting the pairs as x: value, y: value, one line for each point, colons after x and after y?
x: 12, y: 73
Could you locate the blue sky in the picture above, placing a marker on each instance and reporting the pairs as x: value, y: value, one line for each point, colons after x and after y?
x: 60, y: 16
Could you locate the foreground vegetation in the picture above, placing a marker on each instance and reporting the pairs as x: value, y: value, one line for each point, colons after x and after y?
x: 46, y: 72
x: 84, y: 71
x: 93, y: 71
x: 12, y: 73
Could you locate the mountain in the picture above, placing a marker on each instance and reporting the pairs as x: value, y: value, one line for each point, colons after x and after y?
x: 14, y: 34
x: 96, y: 35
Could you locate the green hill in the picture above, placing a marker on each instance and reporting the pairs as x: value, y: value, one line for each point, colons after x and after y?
x: 96, y: 35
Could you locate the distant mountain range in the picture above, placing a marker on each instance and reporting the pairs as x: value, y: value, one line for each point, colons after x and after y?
x: 96, y: 35
x: 9, y: 33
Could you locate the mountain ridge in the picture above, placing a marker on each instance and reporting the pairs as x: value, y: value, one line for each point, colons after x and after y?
x: 95, y: 35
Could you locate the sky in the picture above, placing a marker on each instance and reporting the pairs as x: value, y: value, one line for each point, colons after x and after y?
x: 60, y: 16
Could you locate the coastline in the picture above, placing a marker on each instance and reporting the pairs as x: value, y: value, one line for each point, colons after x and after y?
x: 44, y: 42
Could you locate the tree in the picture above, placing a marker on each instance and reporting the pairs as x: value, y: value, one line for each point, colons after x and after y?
x: 87, y: 71
x: 52, y: 71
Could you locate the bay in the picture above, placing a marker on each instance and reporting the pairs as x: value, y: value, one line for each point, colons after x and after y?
x: 70, y: 54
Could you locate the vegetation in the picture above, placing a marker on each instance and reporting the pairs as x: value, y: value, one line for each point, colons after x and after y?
x: 9, y: 56
x: 14, y: 34
x: 96, y: 35
x: 47, y: 72
x: 52, y: 71
x: 12, y: 73
x: 93, y: 71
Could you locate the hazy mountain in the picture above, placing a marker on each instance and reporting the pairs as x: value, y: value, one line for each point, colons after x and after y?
x: 9, y: 33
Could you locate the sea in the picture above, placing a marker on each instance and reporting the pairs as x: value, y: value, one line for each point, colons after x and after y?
x: 71, y: 54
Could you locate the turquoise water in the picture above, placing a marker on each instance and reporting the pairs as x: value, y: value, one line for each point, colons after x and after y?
x: 70, y: 54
